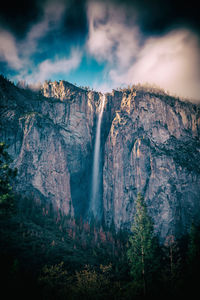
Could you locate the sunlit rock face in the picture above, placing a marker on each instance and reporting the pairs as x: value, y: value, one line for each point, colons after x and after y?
x: 51, y: 143
x: 153, y: 147
x: 150, y: 144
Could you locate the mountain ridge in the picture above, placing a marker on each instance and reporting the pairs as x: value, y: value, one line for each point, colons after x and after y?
x: 150, y: 143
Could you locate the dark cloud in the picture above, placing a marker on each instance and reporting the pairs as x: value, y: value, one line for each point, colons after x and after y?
x: 75, y: 21
x: 17, y: 16
x: 156, y: 16
x: 153, y: 16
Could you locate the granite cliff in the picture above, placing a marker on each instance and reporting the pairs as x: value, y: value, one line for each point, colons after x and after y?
x: 153, y: 146
x: 150, y: 142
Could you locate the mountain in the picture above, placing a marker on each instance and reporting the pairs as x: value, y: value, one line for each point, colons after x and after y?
x: 150, y: 143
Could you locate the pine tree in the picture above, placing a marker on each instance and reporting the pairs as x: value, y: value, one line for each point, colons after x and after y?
x: 194, y: 245
x: 6, y: 176
x: 193, y: 257
x: 142, y: 252
x: 173, y: 263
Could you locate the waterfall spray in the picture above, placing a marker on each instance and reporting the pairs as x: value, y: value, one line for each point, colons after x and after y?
x: 95, y: 207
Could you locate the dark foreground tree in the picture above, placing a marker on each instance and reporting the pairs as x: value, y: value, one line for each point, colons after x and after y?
x: 193, y: 258
x: 143, y: 250
x: 6, y: 177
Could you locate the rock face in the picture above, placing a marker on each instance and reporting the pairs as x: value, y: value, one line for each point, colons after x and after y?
x: 153, y: 147
x: 51, y: 142
x: 150, y: 143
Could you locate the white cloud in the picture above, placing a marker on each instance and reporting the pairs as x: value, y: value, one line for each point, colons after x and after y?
x: 102, y: 87
x: 48, y: 68
x: 9, y: 50
x: 51, y: 19
x: 170, y: 61
x: 17, y: 54
x: 110, y: 38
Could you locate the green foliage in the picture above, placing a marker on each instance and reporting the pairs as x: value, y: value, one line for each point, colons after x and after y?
x: 54, y: 257
x: 193, y: 258
x: 53, y: 275
x: 142, y: 253
x: 87, y: 283
x: 53, y: 280
x: 6, y: 177
x: 193, y: 245
x: 172, y: 265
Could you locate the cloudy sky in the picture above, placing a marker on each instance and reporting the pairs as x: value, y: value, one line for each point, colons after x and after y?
x: 103, y: 44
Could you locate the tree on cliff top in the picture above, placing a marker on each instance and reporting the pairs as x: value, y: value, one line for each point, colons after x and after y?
x: 6, y: 176
x: 142, y: 252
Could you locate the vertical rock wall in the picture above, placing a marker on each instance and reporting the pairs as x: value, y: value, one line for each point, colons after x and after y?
x: 150, y: 143
x: 153, y: 147
x: 50, y: 142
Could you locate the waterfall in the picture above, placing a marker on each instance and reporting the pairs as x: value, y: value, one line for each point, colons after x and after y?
x: 95, y: 206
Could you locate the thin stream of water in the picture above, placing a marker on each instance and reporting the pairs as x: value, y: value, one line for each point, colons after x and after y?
x: 95, y: 193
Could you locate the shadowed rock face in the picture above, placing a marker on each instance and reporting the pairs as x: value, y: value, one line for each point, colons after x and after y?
x: 51, y: 143
x: 150, y: 143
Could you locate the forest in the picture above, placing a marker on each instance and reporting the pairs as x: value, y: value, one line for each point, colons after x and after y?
x: 45, y: 255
